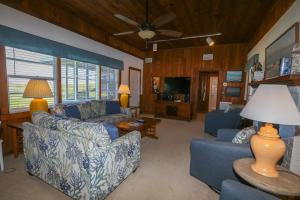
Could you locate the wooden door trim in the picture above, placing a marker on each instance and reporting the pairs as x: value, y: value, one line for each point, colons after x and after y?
x: 140, y: 87
x: 217, y: 73
x: 140, y: 71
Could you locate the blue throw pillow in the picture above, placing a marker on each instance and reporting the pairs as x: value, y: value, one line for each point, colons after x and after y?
x: 112, y: 131
x: 72, y: 111
x: 113, y: 107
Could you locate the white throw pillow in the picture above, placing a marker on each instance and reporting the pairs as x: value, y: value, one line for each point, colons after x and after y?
x: 244, y: 135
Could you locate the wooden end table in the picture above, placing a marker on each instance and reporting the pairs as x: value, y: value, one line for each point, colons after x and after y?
x: 148, y: 128
x: 17, y: 137
x: 286, y: 184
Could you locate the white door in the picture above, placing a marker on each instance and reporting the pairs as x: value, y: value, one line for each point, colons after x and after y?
x: 213, y: 93
x: 134, y: 86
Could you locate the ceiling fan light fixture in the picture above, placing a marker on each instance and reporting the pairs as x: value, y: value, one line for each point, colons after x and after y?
x: 210, y: 41
x: 146, y: 34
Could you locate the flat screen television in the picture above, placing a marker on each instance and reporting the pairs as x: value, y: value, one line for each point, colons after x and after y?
x: 234, y: 76
x: 177, y: 85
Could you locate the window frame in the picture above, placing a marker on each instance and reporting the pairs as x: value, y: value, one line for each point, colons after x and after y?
x: 15, y: 76
x: 87, y: 68
x: 100, y: 82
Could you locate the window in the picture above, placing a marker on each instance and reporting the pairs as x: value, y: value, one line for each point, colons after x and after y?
x: 22, y: 66
x: 109, y: 83
x: 79, y: 80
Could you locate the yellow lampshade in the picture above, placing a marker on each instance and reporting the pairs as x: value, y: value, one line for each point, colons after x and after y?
x: 37, y: 89
x: 124, y: 89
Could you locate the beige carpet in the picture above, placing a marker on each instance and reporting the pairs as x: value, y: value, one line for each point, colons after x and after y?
x: 163, y: 174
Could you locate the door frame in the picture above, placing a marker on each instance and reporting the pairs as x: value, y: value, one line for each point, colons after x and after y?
x: 218, y: 73
x: 140, y: 88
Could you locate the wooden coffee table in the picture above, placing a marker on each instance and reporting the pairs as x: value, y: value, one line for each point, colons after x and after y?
x: 148, y: 128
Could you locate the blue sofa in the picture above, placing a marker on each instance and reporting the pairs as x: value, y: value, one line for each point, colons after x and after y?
x: 98, y: 111
x: 219, y: 119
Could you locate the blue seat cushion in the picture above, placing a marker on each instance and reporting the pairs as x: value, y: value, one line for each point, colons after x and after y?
x: 72, y: 111
x: 112, y: 131
x: 113, y: 107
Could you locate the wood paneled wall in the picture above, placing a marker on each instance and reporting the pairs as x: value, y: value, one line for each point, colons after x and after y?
x: 188, y: 62
x: 273, y: 15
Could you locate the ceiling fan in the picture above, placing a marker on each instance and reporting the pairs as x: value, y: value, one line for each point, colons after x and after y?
x: 148, y: 30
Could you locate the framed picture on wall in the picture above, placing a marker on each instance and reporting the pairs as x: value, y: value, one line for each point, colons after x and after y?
x: 279, y: 50
x: 155, y: 84
x: 232, y: 91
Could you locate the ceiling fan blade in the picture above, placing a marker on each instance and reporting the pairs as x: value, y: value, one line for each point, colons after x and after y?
x: 164, y: 19
x: 124, y: 33
x: 169, y: 33
x: 126, y: 19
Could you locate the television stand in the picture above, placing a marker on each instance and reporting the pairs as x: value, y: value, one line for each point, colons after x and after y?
x: 173, y: 110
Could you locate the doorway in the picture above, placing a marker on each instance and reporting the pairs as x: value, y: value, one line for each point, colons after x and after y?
x: 208, y: 91
x: 134, y: 80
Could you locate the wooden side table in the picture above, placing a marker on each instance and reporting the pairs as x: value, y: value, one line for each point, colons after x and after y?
x: 286, y: 184
x: 17, y: 137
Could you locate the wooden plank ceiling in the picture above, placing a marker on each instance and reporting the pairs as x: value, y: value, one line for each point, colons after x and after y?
x: 237, y: 20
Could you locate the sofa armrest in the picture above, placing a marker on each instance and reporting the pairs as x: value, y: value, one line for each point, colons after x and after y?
x: 232, y: 190
x: 126, y: 111
x: 226, y: 135
x: 212, y: 161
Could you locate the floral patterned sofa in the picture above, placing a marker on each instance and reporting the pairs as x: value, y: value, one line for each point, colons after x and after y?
x: 93, y: 111
x: 78, y: 158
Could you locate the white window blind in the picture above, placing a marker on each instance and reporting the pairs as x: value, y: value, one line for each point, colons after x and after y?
x: 79, y: 80
x: 109, y: 83
x: 22, y: 66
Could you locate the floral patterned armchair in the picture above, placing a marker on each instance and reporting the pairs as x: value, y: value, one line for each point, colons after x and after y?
x: 80, y: 166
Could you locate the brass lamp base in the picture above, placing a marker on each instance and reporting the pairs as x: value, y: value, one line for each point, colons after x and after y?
x: 124, y: 100
x: 38, y: 104
x: 268, y: 148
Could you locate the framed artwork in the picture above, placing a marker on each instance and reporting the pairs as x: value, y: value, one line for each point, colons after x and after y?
x: 233, y: 91
x: 280, y: 49
x: 155, y: 84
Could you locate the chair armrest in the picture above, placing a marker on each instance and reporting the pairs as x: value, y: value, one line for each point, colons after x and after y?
x: 212, y: 161
x: 233, y: 190
x: 226, y: 135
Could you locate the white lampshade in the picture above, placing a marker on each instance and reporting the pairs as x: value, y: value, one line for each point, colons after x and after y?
x: 37, y: 89
x: 124, y: 89
x: 272, y: 104
x: 146, y: 34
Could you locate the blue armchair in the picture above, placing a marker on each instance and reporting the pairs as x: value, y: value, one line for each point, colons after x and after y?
x: 233, y: 190
x: 212, y: 160
x: 212, y: 163
x: 219, y: 120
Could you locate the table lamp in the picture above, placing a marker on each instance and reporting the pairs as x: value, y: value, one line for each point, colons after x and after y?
x: 272, y: 104
x: 124, y: 91
x: 38, y: 89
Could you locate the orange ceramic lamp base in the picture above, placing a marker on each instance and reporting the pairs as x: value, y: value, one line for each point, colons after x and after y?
x: 38, y: 104
x: 124, y: 100
x: 268, y: 148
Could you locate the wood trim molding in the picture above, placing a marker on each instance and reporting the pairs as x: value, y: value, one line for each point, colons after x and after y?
x: 273, y: 15
x: 140, y: 71
x: 140, y: 89
x: 4, y: 106
x: 58, y: 80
